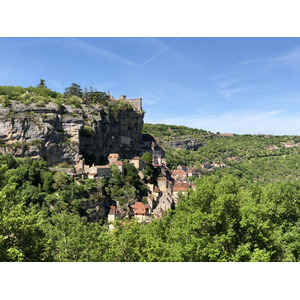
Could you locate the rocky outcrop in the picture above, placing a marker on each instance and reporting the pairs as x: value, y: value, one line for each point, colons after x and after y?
x: 192, y: 145
x: 57, y: 134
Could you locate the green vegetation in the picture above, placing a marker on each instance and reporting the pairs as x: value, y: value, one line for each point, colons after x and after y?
x: 119, y: 106
x: 127, y: 189
x: 164, y: 132
x: 224, y: 219
x: 73, y: 95
x: 147, y: 157
x: 86, y: 131
x: 246, y: 211
x: 219, y: 148
x: 41, y: 216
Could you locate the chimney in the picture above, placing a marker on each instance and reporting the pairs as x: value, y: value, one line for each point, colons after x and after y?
x: 123, y: 97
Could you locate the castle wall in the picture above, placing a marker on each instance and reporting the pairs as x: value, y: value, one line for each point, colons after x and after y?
x: 136, y: 103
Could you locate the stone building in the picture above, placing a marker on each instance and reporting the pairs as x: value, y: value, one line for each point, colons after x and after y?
x: 149, y: 144
x: 141, y: 211
x: 178, y: 174
x: 182, y: 187
x: 135, y: 102
x: 99, y: 171
x: 165, y: 202
x: 162, y: 183
x: 113, y: 214
x: 137, y: 162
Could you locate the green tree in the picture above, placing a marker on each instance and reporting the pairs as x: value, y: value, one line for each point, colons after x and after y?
x: 147, y: 157
x: 60, y: 181
x: 74, y: 90
x: 21, y: 238
x: 42, y: 84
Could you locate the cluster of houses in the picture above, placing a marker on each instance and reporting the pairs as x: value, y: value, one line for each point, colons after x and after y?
x: 161, y: 196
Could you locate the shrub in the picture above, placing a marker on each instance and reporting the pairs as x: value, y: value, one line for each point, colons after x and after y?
x: 86, y: 131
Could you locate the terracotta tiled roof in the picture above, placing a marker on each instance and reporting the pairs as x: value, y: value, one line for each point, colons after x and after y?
x: 140, y: 208
x: 179, y: 172
x: 181, y: 186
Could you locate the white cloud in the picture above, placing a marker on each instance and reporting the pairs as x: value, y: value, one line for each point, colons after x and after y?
x: 228, y: 93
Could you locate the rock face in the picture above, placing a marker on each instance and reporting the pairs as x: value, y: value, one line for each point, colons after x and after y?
x: 56, y: 133
x: 192, y: 145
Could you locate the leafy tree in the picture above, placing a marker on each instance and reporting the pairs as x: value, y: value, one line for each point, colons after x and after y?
x: 60, y: 181
x: 147, y: 157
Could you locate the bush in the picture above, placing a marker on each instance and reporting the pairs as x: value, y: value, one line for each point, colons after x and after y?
x: 86, y: 131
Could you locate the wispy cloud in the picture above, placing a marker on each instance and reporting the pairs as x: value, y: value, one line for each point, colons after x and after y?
x: 143, y: 64
x: 158, y: 54
x: 292, y: 57
x: 94, y: 50
x: 235, y: 78
x: 228, y: 93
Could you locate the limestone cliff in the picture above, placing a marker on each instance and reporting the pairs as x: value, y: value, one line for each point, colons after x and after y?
x: 60, y: 134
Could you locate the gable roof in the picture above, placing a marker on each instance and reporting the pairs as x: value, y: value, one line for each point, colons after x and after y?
x: 140, y: 208
x: 179, y: 172
x: 181, y: 186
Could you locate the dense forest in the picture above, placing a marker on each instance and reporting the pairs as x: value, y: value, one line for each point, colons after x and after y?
x: 246, y: 211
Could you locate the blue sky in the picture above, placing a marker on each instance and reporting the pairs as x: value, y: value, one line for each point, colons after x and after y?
x: 239, y: 85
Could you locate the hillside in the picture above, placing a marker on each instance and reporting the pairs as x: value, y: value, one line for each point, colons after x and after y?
x: 220, y: 148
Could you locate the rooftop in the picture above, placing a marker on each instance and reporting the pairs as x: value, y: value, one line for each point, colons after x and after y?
x: 103, y: 167
x: 140, y: 208
x: 181, y: 186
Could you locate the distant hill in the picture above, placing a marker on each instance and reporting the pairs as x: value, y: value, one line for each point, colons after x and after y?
x: 193, y: 147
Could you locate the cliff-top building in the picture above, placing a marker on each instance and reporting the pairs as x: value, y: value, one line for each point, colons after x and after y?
x: 136, y: 102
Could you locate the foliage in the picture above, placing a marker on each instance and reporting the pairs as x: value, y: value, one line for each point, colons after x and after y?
x: 86, y: 131
x: 219, y: 148
x: 74, y: 96
x: 226, y: 218
x: 168, y: 132
x: 74, y: 90
x: 118, y: 106
x: 147, y: 157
